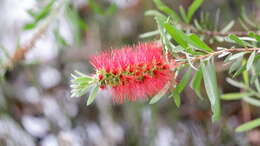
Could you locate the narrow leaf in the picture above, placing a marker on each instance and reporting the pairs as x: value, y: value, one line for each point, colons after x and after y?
x: 193, y: 8
x: 240, y: 70
x: 199, y: 43
x: 235, y: 83
x: 180, y: 37
x: 210, y: 81
x: 196, y: 83
x: 223, y: 54
x: 244, y: 26
x: 30, y: 26
x: 176, y: 34
x: 182, y: 84
x: 93, y: 94
x: 235, y: 65
x: 39, y: 16
x: 167, y: 10
x: 246, y: 19
x: 234, y: 96
x: 183, y: 14
x: 45, y: 11
x: 248, y: 125
x: 177, y: 98
x: 228, y: 27
x: 239, y: 41
x: 149, y: 34
x: 238, y: 55
x: 253, y: 35
x: 155, y: 13
x: 252, y: 101
x: 250, y: 61
x: 179, y: 88
x: 159, y: 95
x: 197, y: 25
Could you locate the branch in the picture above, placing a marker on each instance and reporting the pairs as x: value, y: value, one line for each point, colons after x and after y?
x: 215, y: 33
x: 198, y: 58
x: 20, y: 53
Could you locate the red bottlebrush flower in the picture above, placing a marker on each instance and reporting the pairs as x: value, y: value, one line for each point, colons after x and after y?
x: 133, y: 72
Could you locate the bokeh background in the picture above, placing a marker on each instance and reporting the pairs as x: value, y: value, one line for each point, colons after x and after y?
x: 35, y: 103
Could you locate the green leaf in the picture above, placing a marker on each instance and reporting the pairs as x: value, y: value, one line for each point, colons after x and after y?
x: 45, y: 11
x: 149, y: 34
x: 245, y: 76
x: 177, y: 98
x: 257, y: 85
x: 80, y: 84
x: 39, y: 16
x: 216, y: 23
x: 253, y: 35
x: 244, y: 26
x: 257, y: 58
x: 93, y: 94
x: 183, y: 14
x: 167, y: 10
x: 193, y: 8
x: 59, y: 38
x: 246, y: 19
x: 196, y: 83
x: 235, y: 83
x: 241, y: 69
x: 159, y: 95
x: 176, y: 34
x: 248, y: 125
x: 223, y: 54
x: 252, y: 101
x: 228, y: 27
x: 180, y: 37
x: 200, y: 44
x: 239, y: 41
x: 238, y: 55
x: 185, y: 79
x: 250, y: 61
x: 164, y: 36
x: 234, y: 96
x: 235, y: 65
x: 210, y: 81
x: 32, y: 13
x: 197, y: 25
x: 179, y: 88
x: 30, y: 26
x: 228, y: 57
x: 155, y: 13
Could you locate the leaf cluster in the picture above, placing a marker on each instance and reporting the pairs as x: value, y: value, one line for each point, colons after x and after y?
x: 186, y: 42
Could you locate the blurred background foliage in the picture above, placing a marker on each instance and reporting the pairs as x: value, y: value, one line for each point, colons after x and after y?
x: 43, y: 41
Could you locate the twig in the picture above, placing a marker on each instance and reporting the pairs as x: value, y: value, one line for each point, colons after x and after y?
x: 198, y: 58
x: 215, y: 33
x: 20, y: 53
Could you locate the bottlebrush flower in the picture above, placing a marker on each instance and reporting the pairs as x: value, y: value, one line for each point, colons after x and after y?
x: 133, y: 73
